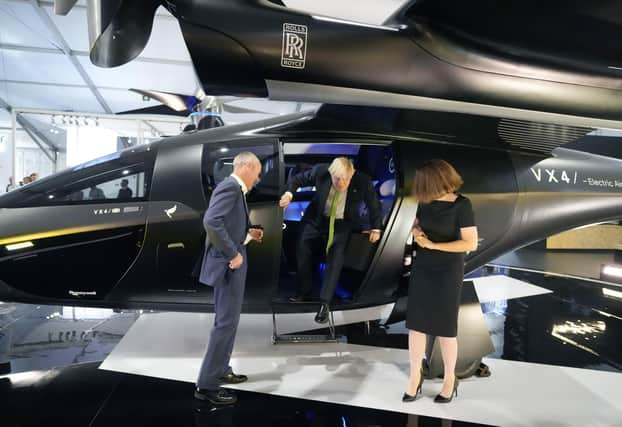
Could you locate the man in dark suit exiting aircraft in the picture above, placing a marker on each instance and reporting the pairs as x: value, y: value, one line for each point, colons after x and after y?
x: 224, y: 267
x: 330, y: 218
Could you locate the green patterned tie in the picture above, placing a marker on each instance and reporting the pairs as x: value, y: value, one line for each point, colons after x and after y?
x: 331, y: 221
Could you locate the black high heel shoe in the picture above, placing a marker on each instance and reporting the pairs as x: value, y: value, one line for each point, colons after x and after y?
x: 407, y: 397
x: 454, y: 392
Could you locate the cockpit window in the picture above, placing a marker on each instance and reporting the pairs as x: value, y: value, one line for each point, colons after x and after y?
x: 218, y: 165
x: 125, y: 175
x: 125, y: 184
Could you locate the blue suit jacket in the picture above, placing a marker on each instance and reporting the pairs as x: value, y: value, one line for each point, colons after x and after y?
x: 226, y: 225
x: 361, y: 190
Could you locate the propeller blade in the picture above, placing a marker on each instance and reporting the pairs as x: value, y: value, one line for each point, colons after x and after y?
x: 228, y: 98
x: 175, y: 101
x: 234, y: 109
x: 200, y: 93
x: 161, y: 110
x: 62, y: 7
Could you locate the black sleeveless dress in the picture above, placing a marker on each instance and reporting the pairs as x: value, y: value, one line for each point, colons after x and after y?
x: 436, y: 280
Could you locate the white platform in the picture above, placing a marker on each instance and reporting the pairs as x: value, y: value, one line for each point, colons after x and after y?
x: 171, y: 345
x: 500, y: 287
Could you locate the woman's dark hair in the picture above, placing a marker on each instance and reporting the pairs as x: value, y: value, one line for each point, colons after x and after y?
x: 435, y: 179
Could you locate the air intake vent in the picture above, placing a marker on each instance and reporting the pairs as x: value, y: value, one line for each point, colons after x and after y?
x: 540, y: 137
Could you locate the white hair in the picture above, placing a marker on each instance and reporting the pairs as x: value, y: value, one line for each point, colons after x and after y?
x: 341, y: 167
x: 245, y: 158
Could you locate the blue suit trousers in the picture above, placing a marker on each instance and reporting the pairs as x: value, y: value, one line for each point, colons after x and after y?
x: 228, y: 299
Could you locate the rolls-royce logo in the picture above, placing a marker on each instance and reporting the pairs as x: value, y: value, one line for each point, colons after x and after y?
x: 169, y: 212
x: 294, y: 49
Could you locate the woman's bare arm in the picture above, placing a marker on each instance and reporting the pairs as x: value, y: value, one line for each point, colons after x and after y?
x: 468, y: 242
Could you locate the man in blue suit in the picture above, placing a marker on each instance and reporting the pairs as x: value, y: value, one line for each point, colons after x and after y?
x: 224, y: 267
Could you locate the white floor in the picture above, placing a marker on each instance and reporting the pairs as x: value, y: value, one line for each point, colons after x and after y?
x: 171, y: 345
x: 499, y: 287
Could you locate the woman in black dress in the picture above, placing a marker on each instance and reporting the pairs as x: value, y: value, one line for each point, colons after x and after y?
x: 444, y: 230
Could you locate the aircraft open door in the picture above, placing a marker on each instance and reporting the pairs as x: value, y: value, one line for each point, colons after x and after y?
x: 184, y: 179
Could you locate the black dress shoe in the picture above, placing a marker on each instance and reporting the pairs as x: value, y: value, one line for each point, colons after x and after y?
x: 322, y: 314
x: 233, y: 378
x: 299, y: 298
x: 216, y: 397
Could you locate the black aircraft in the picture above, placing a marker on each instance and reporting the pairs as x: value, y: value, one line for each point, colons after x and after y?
x: 510, y: 99
x: 554, y: 61
x: 80, y: 238
x: 496, y: 88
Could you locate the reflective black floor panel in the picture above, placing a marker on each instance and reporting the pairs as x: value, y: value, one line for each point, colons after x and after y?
x: 82, y: 395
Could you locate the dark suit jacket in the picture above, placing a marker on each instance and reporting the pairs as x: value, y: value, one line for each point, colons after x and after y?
x: 226, y: 225
x: 360, y: 190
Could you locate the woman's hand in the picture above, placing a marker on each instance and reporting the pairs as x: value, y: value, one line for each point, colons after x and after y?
x: 424, y: 242
x: 417, y: 231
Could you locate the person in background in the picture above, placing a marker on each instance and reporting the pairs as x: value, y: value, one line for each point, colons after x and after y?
x: 33, y: 177
x: 96, y: 193
x: 11, y: 185
x: 444, y: 229
x: 124, y: 192
x: 26, y: 180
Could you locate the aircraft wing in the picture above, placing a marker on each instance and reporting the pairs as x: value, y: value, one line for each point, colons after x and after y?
x: 552, y: 62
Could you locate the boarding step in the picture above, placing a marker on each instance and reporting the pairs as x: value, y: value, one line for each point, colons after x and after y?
x: 281, y: 306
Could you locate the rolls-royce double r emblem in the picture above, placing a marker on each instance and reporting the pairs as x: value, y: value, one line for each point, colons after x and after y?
x: 294, y: 50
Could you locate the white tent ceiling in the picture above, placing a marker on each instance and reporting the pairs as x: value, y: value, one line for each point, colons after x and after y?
x: 44, y: 60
